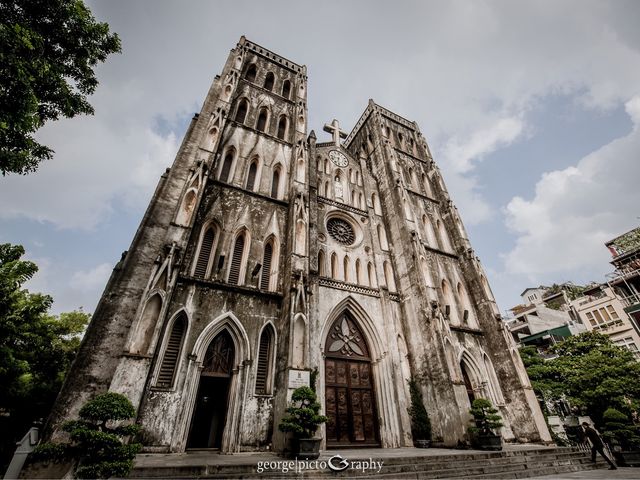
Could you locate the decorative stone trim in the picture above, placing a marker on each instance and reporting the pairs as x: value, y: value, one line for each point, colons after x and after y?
x: 440, y: 252
x: 218, y: 285
x: 350, y: 287
x: 342, y: 206
x: 472, y: 331
x: 363, y: 118
x: 422, y: 195
x: 268, y: 54
x: 411, y: 156
x: 259, y: 133
x: 394, y: 117
x: 394, y: 297
x: 284, y: 203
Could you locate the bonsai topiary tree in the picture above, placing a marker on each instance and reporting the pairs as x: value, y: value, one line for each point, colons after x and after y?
x: 303, y: 416
x: 420, y: 423
x: 98, y: 438
x: 618, y: 430
x: 485, y: 417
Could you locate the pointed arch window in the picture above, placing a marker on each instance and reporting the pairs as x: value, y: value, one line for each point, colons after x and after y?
x: 201, y: 269
x: 225, y: 171
x: 347, y: 268
x: 468, y: 317
x: 187, y: 207
x: 377, y: 209
x: 265, y: 361
x: 326, y: 189
x: 251, y: 176
x: 146, y: 325
x: 388, y: 277
x: 241, y: 112
x: 237, y: 261
x: 450, y: 302
x: 371, y: 274
x: 269, y: 81
x: 334, y: 266
x: 251, y: 72
x: 275, y: 183
x: 167, y: 373
x: 267, y: 265
x: 382, y: 237
x: 282, y: 127
x: 261, y: 125
x: 286, y: 88
x: 359, y: 279
x: 321, y: 266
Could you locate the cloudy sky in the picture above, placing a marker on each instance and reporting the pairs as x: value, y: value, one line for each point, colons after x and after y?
x: 531, y: 109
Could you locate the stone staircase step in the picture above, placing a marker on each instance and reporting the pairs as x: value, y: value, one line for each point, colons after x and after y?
x: 504, y: 464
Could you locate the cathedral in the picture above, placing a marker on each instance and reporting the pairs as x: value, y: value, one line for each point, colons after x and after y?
x: 267, y: 260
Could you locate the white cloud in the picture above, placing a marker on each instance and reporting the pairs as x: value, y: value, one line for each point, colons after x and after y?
x: 575, y: 210
x: 448, y: 65
x: 91, y: 280
x: 461, y: 155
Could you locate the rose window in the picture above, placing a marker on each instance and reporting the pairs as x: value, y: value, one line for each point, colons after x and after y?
x: 341, y: 231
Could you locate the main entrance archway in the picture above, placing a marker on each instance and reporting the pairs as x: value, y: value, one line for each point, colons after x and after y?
x: 209, y: 418
x: 349, y: 387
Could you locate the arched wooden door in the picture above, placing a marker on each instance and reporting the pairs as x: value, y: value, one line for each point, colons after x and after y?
x: 212, y: 401
x: 349, y: 388
x: 467, y: 383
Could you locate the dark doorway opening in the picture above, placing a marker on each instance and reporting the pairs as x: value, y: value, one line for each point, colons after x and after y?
x: 212, y: 401
x: 210, y: 413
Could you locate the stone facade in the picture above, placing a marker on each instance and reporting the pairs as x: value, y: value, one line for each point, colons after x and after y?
x: 265, y: 255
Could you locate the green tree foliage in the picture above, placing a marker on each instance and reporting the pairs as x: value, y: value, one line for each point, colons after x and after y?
x: 48, y: 50
x: 485, y: 417
x: 593, y: 373
x: 98, y: 439
x: 420, y: 423
x: 303, y: 416
x: 618, y: 430
x: 36, y: 349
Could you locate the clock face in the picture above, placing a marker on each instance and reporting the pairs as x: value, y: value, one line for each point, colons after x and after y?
x: 338, y: 158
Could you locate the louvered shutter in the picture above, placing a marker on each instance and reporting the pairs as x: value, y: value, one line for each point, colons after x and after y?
x: 170, y: 360
x: 226, y: 168
x: 236, y: 261
x: 251, y: 177
x: 262, y: 373
x: 205, y: 253
x: 241, y: 113
x: 274, y: 184
x: 266, y: 266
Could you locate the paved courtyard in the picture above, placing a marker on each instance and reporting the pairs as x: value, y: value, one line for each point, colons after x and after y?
x: 602, y: 474
x: 199, y: 457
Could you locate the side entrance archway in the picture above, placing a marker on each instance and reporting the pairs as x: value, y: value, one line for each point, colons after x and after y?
x: 212, y: 400
x: 349, y: 387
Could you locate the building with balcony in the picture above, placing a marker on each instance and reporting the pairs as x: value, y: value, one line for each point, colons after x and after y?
x: 601, y: 310
x: 544, y: 318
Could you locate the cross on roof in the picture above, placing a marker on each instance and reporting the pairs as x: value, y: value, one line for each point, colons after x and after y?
x: 334, y: 129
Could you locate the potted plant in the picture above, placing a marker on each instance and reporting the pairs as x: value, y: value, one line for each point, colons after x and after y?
x: 486, y: 422
x: 420, y: 423
x: 623, y: 437
x: 99, y: 445
x: 303, y: 420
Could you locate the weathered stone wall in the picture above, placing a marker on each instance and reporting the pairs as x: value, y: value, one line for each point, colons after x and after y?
x: 419, y: 295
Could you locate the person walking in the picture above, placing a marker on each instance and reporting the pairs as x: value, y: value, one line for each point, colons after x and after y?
x: 597, y: 444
